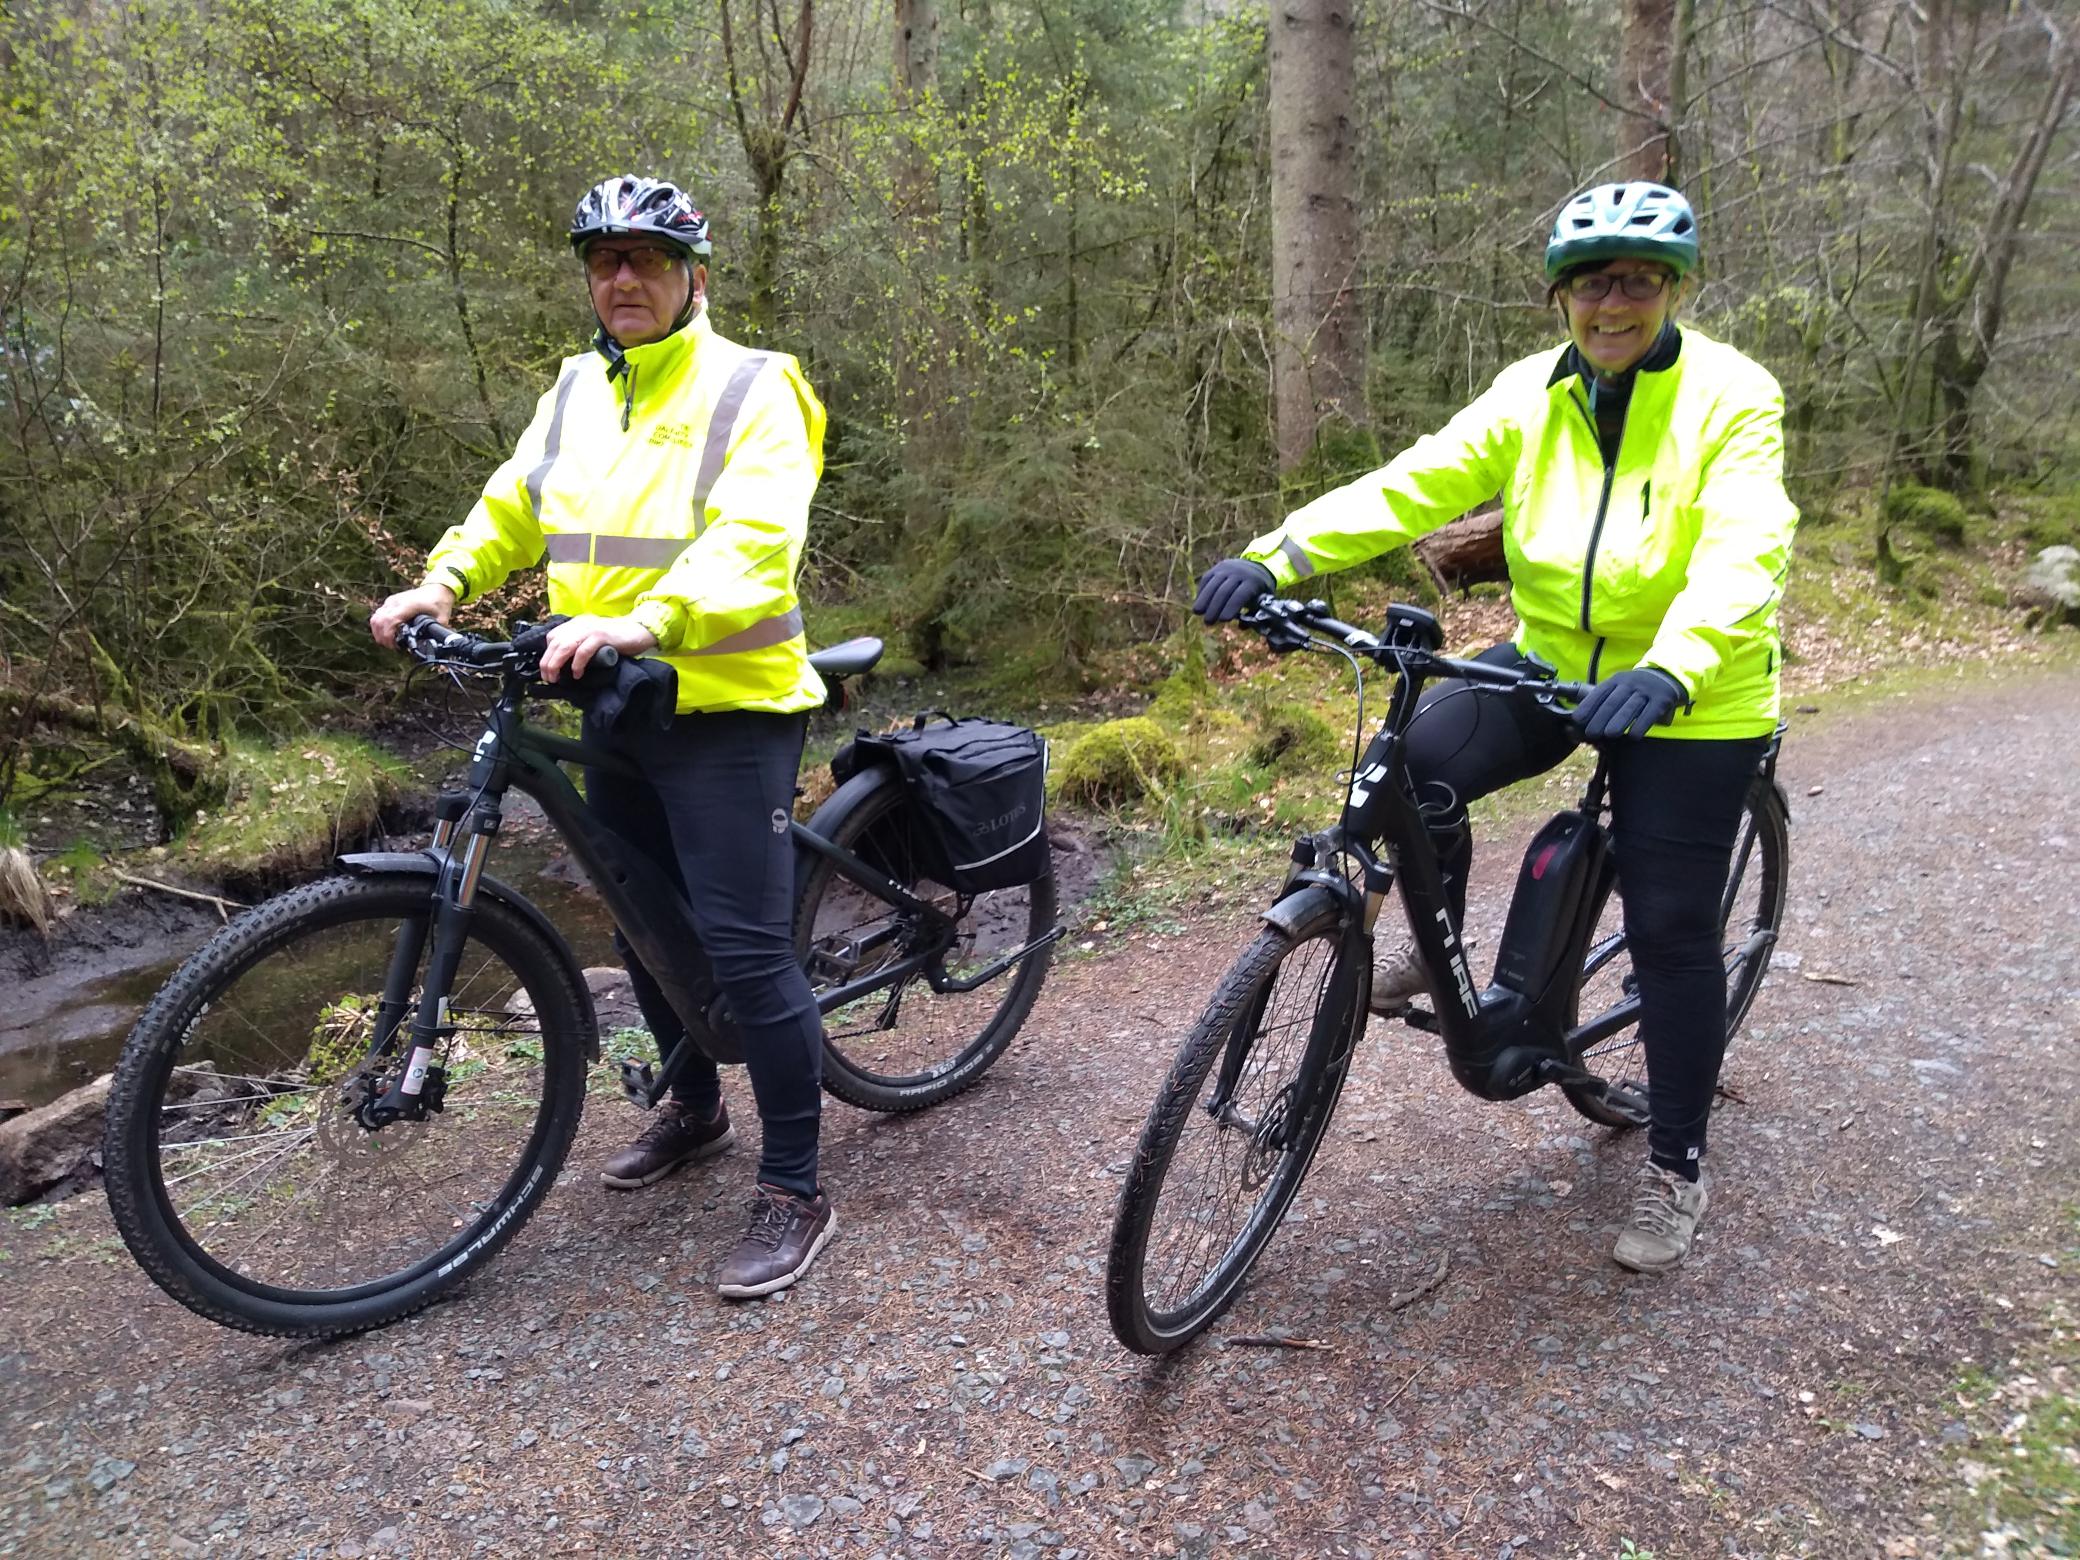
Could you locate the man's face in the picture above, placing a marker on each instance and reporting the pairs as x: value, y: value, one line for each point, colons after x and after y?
x: 638, y: 287
x: 1612, y: 328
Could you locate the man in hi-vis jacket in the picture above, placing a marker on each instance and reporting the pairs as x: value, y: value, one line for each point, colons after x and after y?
x: 665, y: 479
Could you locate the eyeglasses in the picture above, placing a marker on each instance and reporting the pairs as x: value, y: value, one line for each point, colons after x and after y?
x: 1639, y: 286
x: 648, y: 262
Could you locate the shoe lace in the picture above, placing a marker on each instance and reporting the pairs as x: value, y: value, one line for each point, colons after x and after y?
x: 664, y: 1125
x: 1654, y: 1206
x: 771, y: 1214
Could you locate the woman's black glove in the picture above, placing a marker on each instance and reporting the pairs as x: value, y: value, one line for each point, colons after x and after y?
x: 1230, y: 588
x: 1628, y: 704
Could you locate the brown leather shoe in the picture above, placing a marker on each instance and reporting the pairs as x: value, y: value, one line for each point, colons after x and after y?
x: 785, y: 1234
x: 674, y: 1137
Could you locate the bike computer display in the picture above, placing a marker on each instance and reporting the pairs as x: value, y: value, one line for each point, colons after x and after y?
x: 1412, y: 628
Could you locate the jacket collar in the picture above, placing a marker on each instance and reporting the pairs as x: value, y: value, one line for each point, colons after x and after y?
x: 1661, y: 356
x: 657, y: 358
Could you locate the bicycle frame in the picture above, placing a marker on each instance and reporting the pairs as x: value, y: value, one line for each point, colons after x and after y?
x: 1500, y: 1041
x: 653, y: 919
x: 1511, y: 1036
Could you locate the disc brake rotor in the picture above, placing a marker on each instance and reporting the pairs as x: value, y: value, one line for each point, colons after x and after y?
x: 1267, y: 1145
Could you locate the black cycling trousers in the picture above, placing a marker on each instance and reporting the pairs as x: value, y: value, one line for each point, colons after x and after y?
x: 1675, y: 809
x: 712, y: 809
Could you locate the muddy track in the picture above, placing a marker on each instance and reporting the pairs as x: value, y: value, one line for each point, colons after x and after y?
x: 1894, y: 1172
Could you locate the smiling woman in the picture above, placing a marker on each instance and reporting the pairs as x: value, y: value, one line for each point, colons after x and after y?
x: 1615, y: 312
x: 1648, y: 533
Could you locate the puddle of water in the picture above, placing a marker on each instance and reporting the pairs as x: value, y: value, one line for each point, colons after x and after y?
x: 58, y: 1047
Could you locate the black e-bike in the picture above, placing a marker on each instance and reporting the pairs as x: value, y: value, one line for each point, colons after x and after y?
x: 354, y: 1094
x: 1250, y: 1093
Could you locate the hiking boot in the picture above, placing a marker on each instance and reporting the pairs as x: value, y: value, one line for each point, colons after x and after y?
x: 1397, y: 979
x: 785, y: 1234
x: 675, y: 1136
x: 1665, y: 1211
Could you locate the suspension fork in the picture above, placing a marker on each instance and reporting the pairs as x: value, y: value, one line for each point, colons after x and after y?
x: 1339, y: 1016
x: 398, y: 980
x: 454, y: 895
x: 1333, y: 1032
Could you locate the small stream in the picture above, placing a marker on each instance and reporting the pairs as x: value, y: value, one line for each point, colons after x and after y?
x: 65, y: 1026
x: 65, y: 1023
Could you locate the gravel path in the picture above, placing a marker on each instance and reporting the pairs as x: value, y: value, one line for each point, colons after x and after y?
x: 1889, y: 1169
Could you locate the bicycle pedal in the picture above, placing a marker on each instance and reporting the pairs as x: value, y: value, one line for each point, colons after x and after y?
x: 1419, y: 1018
x: 639, y: 1083
x: 1628, y: 1100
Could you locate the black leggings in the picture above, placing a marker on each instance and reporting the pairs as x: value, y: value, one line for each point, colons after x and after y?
x: 1675, y: 808
x: 712, y: 809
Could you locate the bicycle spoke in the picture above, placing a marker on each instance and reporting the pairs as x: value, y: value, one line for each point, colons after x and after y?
x: 1212, y: 1198
x: 238, y: 1158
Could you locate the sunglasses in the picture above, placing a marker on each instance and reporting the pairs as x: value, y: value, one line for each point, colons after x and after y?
x: 1639, y: 286
x: 603, y: 265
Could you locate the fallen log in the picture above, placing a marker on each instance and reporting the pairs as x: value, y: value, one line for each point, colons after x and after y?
x: 1465, y: 553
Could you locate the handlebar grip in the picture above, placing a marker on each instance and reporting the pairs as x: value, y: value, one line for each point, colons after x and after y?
x: 426, y: 629
x: 607, y: 656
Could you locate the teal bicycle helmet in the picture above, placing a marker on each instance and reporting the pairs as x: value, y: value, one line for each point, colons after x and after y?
x: 1636, y: 220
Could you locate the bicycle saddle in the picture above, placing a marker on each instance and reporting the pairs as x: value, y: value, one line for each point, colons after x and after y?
x: 848, y: 659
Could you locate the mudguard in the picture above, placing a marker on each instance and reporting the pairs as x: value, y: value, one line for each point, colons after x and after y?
x: 426, y: 863
x: 1307, y: 896
x: 831, y: 814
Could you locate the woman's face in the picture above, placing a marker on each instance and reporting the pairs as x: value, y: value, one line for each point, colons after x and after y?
x: 1613, y: 332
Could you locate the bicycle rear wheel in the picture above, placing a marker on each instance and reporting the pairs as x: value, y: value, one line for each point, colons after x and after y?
x: 1751, y: 912
x: 906, y: 1046
x: 1207, y: 1189
x: 237, y: 1170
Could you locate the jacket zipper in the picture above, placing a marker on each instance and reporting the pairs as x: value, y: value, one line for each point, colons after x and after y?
x: 628, y: 403
x: 1603, y: 504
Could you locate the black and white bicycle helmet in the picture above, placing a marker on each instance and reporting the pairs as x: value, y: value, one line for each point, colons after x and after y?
x: 630, y: 205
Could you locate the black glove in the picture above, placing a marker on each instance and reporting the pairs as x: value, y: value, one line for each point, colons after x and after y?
x: 1629, y: 704
x: 1230, y: 588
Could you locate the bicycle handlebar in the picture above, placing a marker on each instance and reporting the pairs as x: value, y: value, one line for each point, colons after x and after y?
x: 1293, y: 625
x: 431, y: 642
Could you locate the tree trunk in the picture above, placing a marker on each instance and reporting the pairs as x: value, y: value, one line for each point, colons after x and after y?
x: 1650, y: 85
x: 917, y: 82
x: 1319, y: 349
x: 915, y: 181
x: 1962, y: 298
x: 917, y: 53
x: 775, y: 72
x: 183, y: 775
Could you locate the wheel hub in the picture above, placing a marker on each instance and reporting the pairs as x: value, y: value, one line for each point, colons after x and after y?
x: 1267, y: 1145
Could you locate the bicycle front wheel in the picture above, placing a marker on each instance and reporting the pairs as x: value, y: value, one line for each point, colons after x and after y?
x: 1751, y: 911
x: 904, y: 1045
x: 1228, y: 1141
x: 237, y: 1168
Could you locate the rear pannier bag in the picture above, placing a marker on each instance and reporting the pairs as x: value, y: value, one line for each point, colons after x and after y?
x: 981, y: 786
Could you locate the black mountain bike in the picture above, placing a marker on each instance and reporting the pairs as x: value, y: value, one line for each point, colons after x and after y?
x: 355, y: 1094
x: 1251, y: 1091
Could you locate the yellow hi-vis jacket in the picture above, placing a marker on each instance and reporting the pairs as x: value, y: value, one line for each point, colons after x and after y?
x: 1674, y: 557
x: 676, y: 492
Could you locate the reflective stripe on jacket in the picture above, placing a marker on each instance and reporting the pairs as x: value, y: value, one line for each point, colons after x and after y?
x: 1674, y: 557
x: 690, y: 517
